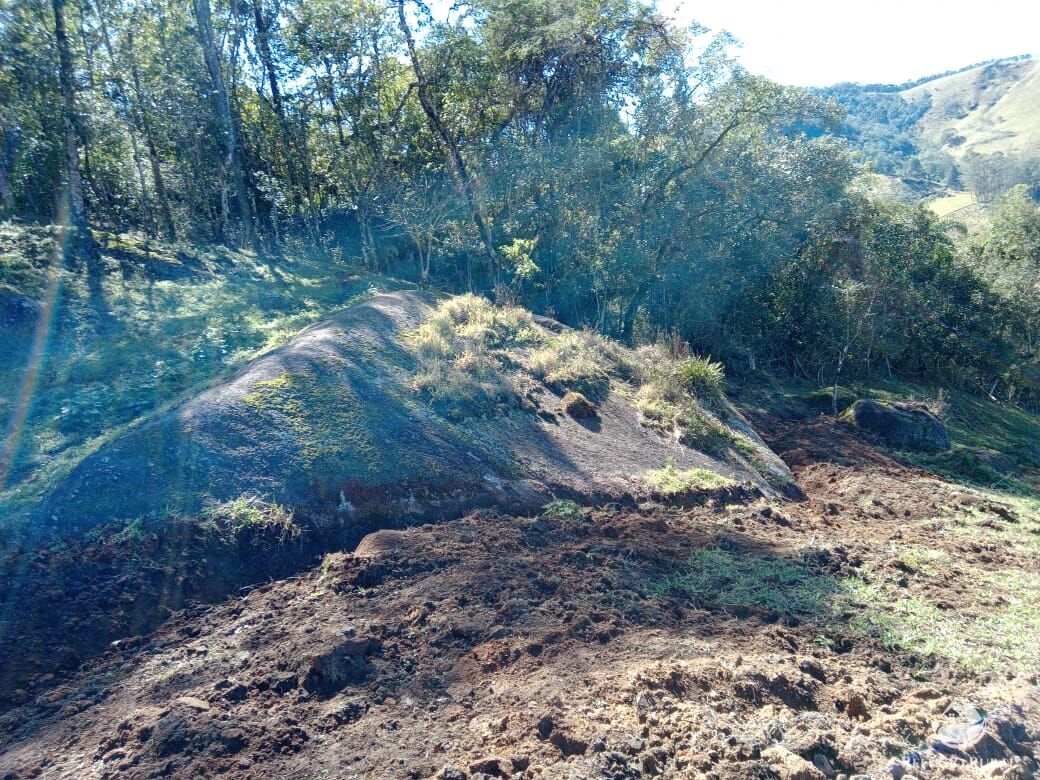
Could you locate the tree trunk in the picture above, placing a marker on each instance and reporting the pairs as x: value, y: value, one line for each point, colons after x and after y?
x: 7, y: 142
x: 460, y: 173
x: 222, y: 106
x: 77, y: 216
x: 263, y: 48
x: 131, y: 121
x: 158, y: 182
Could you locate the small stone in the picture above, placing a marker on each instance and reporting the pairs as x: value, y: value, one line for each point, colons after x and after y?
x: 821, y: 762
x: 545, y: 726
x: 578, y: 406
x: 237, y: 692
x: 283, y: 683
x: 488, y: 766
x: 193, y: 702
x: 856, y: 706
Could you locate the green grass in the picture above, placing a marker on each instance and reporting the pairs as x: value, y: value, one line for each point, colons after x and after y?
x: 981, y: 524
x: 987, y: 639
x: 578, y: 361
x: 672, y: 481
x: 178, y: 319
x: 253, y: 516
x: 948, y: 204
x: 726, y: 580
x: 461, y: 350
x: 923, y: 559
x: 700, y: 376
x: 993, y: 628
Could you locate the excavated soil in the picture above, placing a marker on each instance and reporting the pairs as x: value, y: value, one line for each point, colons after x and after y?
x: 553, y: 647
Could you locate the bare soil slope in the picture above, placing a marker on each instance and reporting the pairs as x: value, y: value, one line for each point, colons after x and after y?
x: 714, y: 641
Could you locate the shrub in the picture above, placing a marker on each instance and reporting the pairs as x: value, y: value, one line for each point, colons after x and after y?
x: 700, y: 376
x: 563, y: 509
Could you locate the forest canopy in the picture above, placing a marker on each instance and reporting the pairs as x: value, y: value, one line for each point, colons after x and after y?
x: 586, y: 158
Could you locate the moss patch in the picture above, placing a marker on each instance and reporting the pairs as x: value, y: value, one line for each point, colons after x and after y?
x: 329, y: 423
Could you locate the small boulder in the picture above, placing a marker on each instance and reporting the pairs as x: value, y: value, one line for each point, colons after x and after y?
x: 193, y: 703
x: 904, y: 425
x: 578, y: 406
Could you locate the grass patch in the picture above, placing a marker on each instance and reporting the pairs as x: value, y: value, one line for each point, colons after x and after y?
x: 700, y: 376
x: 1001, y: 638
x: 251, y: 516
x: 672, y: 481
x: 721, y: 579
x: 469, y: 349
x: 924, y: 559
x: 461, y: 351
x: 579, y: 361
x: 977, y: 523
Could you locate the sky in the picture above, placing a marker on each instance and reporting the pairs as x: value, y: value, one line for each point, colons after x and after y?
x: 821, y: 42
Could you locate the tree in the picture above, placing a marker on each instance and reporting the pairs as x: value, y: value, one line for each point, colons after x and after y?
x: 460, y: 171
x: 73, y: 199
x: 422, y: 211
x: 222, y: 109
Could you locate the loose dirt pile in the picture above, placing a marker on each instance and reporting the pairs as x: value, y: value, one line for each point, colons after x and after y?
x: 703, y: 641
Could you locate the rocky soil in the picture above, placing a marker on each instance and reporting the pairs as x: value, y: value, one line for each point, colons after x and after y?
x: 568, y: 645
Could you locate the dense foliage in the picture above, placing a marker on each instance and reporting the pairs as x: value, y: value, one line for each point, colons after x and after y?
x: 583, y: 157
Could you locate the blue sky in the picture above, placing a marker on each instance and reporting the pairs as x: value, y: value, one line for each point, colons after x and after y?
x: 819, y: 42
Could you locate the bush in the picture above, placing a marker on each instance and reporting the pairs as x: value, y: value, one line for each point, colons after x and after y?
x: 700, y: 376
x: 574, y: 360
x: 563, y: 509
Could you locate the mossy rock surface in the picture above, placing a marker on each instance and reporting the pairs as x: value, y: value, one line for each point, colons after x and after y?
x: 904, y: 426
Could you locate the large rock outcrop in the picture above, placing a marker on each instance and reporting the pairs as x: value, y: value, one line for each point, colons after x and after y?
x: 330, y: 426
x: 905, y: 426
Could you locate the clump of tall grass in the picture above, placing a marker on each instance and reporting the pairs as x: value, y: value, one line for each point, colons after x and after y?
x: 460, y: 371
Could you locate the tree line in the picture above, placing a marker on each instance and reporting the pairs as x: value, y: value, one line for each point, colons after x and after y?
x: 585, y: 157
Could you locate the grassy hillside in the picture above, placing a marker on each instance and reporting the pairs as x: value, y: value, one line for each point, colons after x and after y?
x: 973, y: 132
x: 165, y: 321
x: 987, y: 109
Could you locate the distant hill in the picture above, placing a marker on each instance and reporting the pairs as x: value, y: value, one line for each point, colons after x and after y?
x: 976, y: 129
x: 989, y: 108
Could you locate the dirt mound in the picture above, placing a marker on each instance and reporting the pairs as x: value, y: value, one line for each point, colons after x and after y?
x: 349, y: 428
